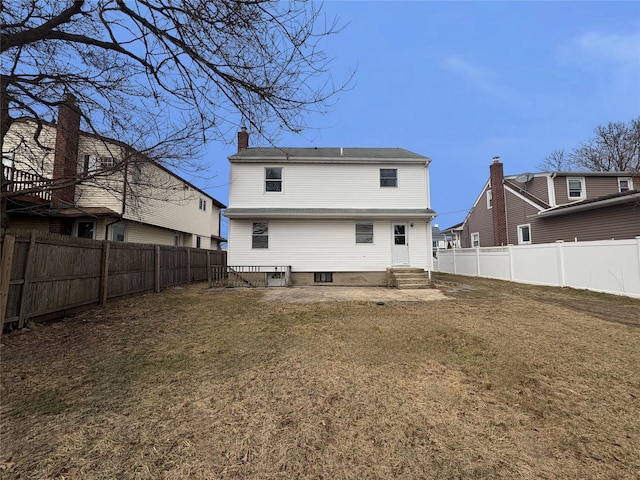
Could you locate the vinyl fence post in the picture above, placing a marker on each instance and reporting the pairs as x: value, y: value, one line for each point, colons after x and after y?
x: 510, y: 253
x: 561, y: 277
x: 454, y: 261
x: 157, y: 269
x: 478, y: 261
x: 104, y: 279
x: 28, y: 274
x: 5, y: 274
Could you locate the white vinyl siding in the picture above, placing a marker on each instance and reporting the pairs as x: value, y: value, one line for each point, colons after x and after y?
x: 323, y: 245
x: 328, y: 186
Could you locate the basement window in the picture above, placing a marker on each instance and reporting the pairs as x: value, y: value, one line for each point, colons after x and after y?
x: 323, y: 277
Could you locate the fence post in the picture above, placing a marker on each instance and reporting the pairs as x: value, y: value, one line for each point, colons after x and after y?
x: 28, y: 273
x: 510, y: 253
x: 561, y: 279
x: 454, y: 261
x: 5, y: 275
x: 478, y: 261
x: 188, y: 266
x: 157, y: 269
x: 104, y: 279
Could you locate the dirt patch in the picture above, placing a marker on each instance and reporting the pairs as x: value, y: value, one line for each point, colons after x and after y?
x: 313, y: 294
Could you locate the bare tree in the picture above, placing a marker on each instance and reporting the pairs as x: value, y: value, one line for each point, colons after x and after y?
x: 556, y: 161
x: 165, y: 76
x: 615, y: 147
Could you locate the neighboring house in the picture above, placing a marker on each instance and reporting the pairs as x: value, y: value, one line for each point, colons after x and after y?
x: 439, y: 240
x: 334, y: 215
x: 552, y: 206
x: 95, y: 195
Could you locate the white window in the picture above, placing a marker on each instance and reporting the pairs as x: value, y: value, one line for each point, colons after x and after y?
x: 575, y: 188
x: 489, y: 200
x: 260, y: 236
x: 86, y: 230
x: 524, y: 234
x: 364, y: 232
x: 198, y: 244
x: 273, y: 179
x: 90, y: 163
x: 388, y: 177
x: 475, y: 239
x: 7, y: 159
x: 119, y: 232
x: 176, y: 239
x: 625, y: 184
x: 202, y: 204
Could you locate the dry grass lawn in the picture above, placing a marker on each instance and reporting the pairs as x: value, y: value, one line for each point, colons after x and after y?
x: 498, y: 381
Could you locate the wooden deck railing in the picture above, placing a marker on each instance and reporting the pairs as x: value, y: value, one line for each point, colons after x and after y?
x: 250, y: 276
x: 16, y: 181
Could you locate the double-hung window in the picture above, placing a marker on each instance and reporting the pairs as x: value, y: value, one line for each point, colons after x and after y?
x: 364, y: 232
x: 625, y: 184
x: 260, y: 236
x: 388, y: 177
x: 576, y: 188
x: 202, y: 204
x: 489, y: 200
x: 273, y: 179
x: 475, y: 239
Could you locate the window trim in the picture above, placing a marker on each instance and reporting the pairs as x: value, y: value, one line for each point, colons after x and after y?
x: 124, y: 231
x: 477, y: 236
x: 629, y: 181
x: 274, y: 180
x: 202, y: 204
x: 322, y: 277
x: 76, y: 228
x: 395, y: 178
x: 521, y: 228
x: 489, y: 199
x: 361, y: 224
x: 255, y: 236
x: 583, y: 188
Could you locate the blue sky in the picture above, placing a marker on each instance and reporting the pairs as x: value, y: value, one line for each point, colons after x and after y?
x: 462, y: 82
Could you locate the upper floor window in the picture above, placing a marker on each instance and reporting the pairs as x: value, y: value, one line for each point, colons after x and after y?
x: 576, y: 188
x: 136, y: 174
x: 107, y: 162
x: 489, y: 199
x: 7, y: 159
x: 364, y: 232
x: 524, y: 234
x: 625, y: 184
x: 202, y: 204
x: 260, y: 237
x: 475, y: 239
x: 90, y: 163
x: 273, y: 179
x: 388, y: 177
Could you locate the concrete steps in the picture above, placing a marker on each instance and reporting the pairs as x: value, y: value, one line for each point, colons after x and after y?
x: 406, y: 278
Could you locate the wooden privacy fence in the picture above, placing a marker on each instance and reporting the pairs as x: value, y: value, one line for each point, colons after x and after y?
x: 44, y: 275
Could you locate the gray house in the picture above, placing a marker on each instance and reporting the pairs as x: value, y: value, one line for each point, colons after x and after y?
x: 547, y: 207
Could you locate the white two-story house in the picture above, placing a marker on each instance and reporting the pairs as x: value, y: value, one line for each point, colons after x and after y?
x: 341, y: 216
x: 63, y: 180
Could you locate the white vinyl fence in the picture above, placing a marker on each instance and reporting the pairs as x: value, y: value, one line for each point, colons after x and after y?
x: 610, y: 266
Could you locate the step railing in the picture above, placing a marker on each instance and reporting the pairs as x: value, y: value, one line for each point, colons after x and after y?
x: 250, y: 276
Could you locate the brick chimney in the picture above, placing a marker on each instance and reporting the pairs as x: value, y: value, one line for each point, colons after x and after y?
x: 499, y: 207
x: 65, y: 160
x: 243, y: 139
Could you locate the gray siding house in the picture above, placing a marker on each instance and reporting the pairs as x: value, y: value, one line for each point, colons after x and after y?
x: 546, y: 207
